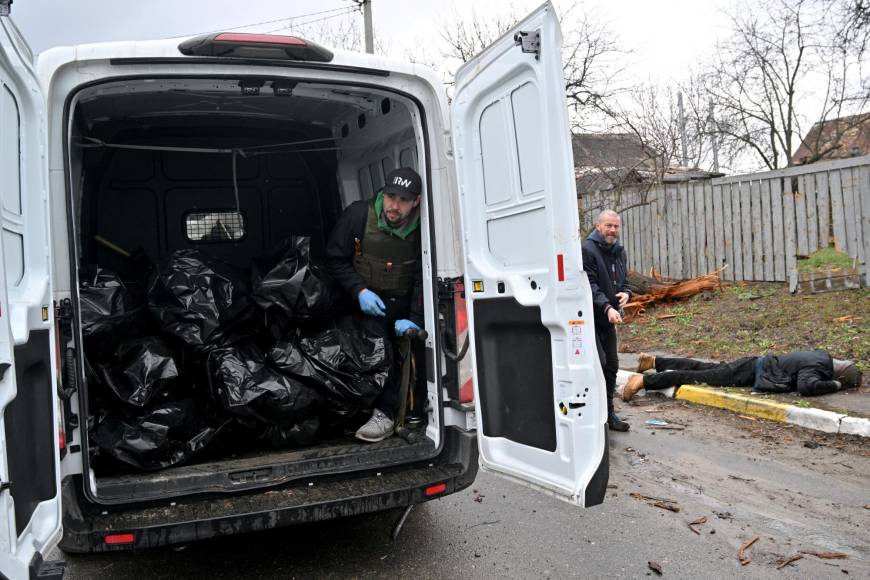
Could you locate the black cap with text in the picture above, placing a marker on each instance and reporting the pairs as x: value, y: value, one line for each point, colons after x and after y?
x: 404, y: 182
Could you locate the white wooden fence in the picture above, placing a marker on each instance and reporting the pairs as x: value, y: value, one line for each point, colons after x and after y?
x: 757, y: 223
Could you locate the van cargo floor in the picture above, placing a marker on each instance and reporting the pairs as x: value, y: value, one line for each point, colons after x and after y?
x: 262, y: 469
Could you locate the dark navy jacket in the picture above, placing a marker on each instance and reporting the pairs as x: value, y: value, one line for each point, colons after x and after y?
x: 606, y: 266
x: 807, y: 372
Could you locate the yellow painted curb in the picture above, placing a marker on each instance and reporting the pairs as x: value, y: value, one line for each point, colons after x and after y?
x: 770, y: 410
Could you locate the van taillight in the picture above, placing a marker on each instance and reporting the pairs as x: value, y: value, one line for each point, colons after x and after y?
x: 466, y: 381
x: 255, y: 46
x: 435, y: 489
x: 119, y: 539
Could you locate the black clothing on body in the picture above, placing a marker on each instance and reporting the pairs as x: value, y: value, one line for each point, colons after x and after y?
x: 807, y: 372
x: 810, y: 373
x: 673, y: 372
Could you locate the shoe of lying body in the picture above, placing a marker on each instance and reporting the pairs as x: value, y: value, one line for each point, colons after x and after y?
x: 634, y: 384
x: 645, y: 362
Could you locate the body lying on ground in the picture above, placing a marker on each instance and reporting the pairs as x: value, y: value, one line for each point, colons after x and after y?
x: 810, y: 373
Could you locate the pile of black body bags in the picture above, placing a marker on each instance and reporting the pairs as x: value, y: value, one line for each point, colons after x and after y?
x: 200, y: 352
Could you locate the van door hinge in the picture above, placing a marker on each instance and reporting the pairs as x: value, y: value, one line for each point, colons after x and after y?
x: 4, y: 485
x: 529, y: 42
x: 5, y: 7
x: 63, y: 309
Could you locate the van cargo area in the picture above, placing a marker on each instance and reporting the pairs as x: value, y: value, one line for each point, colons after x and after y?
x: 218, y: 355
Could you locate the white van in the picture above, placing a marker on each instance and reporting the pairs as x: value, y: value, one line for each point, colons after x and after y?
x: 96, y: 144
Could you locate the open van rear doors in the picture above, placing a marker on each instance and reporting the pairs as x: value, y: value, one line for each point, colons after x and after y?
x: 539, y: 389
x: 30, y: 515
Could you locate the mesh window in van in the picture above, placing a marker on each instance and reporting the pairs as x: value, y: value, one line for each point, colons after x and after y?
x: 214, y: 226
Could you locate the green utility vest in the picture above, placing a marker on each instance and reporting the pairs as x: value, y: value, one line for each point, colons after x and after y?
x: 387, y: 263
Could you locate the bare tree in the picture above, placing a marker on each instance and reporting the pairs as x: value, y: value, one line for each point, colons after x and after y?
x: 589, y: 52
x: 782, y: 62
x: 465, y: 37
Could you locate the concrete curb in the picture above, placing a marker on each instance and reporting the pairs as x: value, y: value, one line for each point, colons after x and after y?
x: 807, y: 417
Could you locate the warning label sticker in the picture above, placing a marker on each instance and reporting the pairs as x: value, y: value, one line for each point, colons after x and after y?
x: 576, y: 327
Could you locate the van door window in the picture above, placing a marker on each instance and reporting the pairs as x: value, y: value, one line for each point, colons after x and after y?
x: 10, y: 186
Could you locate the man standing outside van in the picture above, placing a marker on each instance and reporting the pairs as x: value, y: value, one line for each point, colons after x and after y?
x: 605, y: 262
x: 374, y: 252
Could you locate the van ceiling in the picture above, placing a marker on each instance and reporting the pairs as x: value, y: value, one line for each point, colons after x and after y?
x: 316, y: 104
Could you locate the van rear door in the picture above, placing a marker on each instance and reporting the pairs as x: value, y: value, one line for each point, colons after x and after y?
x: 30, y: 516
x: 539, y: 389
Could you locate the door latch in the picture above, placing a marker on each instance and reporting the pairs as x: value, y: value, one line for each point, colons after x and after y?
x: 529, y: 42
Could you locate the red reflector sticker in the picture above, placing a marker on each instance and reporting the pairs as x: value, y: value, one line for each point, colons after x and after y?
x: 61, y: 439
x: 436, y: 489
x: 258, y: 38
x: 560, y: 264
x: 116, y: 539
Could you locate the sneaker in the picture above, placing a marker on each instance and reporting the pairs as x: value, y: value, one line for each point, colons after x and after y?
x: 378, y: 428
x: 645, y: 362
x: 616, y: 424
x: 634, y: 384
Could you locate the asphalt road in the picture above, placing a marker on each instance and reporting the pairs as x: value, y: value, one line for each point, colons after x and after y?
x: 748, y: 478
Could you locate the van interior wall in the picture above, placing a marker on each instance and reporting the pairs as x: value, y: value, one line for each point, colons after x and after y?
x: 141, y: 199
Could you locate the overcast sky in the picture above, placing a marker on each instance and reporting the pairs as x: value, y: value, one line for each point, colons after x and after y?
x: 665, y: 42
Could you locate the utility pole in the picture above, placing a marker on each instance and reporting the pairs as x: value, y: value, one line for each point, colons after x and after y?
x: 683, y: 129
x: 715, y: 138
x: 367, y: 22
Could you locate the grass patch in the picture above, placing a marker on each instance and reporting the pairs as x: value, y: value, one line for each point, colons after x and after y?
x: 825, y: 259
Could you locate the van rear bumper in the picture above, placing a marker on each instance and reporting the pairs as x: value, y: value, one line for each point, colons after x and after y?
x: 306, y: 501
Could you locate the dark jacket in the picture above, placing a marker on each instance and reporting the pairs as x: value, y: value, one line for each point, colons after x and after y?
x: 339, y: 258
x: 606, y: 267
x: 808, y: 372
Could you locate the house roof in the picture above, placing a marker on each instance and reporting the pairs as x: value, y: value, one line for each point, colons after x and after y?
x: 835, y: 139
x: 609, y: 151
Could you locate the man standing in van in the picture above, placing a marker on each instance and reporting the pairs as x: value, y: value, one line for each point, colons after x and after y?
x: 605, y: 264
x: 374, y: 252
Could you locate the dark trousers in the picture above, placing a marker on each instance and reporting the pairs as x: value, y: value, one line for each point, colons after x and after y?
x: 605, y: 340
x: 672, y: 372
x: 397, y: 308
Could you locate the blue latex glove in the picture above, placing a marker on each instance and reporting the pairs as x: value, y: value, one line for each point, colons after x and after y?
x: 371, y: 304
x: 403, y: 326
